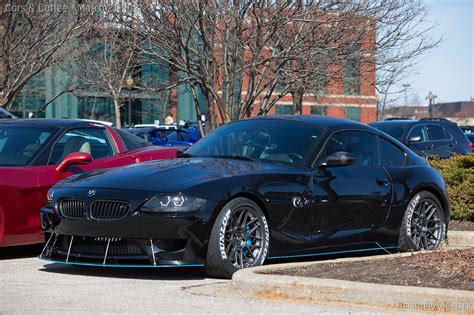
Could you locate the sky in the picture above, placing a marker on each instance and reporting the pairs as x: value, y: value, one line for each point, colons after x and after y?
x: 447, y: 70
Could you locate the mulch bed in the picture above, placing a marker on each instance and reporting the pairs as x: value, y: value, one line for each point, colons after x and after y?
x: 447, y: 269
x: 461, y: 226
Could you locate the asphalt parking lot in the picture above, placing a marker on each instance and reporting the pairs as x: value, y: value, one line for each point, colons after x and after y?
x: 29, y: 285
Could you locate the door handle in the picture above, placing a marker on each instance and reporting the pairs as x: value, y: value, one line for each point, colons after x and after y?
x: 383, y: 181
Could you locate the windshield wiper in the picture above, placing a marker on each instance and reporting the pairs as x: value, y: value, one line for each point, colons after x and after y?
x: 234, y: 157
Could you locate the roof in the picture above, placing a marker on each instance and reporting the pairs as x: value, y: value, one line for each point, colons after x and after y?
x: 324, y: 121
x: 395, y: 122
x: 412, y: 121
x: 47, y: 122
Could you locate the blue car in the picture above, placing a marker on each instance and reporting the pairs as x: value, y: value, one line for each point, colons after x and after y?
x: 168, y: 137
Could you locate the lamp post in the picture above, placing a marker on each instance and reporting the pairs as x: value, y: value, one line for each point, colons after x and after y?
x: 430, y: 97
x: 405, y: 87
x: 129, y: 83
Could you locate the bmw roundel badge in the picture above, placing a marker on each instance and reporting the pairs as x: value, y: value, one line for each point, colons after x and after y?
x: 297, y: 202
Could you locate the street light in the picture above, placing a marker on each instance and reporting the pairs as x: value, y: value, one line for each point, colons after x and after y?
x: 129, y: 83
x: 430, y: 97
x: 405, y: 87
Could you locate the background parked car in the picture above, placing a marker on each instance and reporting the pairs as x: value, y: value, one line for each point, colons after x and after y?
x: 427, y: 136
x: 470, y: 136
x: 36, y: 153
x: 182, y: 137
x: 467, y: 129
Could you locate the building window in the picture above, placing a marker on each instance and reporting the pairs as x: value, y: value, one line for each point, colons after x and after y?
x: 352, y: 71
x: 100, y: 108
x: 285, y: 109
x: 319, y: 110
x: 353, y: 113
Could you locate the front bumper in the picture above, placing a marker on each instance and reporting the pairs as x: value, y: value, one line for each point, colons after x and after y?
x: 139, y: 239
x: 108, y: 251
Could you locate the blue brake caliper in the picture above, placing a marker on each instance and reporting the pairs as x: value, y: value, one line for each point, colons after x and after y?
x: 248, y: 241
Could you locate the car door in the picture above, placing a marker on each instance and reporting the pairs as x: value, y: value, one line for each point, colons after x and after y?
x: 349, y: 199
x: 441, y: 142
x: 19, y: 145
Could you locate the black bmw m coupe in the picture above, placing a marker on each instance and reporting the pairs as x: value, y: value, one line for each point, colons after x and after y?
x: 251, y: 191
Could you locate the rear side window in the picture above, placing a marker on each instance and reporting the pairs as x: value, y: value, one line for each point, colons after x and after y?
x: 132, y: 142
x: 418, y: 131
x: 435, y: 132
x: 390, y: 154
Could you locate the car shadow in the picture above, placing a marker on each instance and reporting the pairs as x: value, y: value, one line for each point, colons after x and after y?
x: 18, y: 252
x: 172, y: 273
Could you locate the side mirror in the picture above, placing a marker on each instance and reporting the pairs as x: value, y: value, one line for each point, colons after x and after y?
x: 414, y: 139
x: 340, y: 158
x: 74, y: 158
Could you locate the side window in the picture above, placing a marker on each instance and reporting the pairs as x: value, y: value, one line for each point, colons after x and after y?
x: 435, y: 132
x: 360, y: 144
x: 88, y: 140
x: 390, y: 154
x: 419, y: 131
x: 132, y: 142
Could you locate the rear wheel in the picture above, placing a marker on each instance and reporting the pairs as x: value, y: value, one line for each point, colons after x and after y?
x: 239, y: 239
x: 424, y: 224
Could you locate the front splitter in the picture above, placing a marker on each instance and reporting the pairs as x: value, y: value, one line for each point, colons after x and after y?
x: 117, y: 265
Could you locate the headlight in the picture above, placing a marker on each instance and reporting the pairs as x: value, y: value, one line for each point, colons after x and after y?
x: 172, y: 203
x: 50, y: 195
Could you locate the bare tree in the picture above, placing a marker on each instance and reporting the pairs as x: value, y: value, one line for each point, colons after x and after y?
x: 107, y: 64
x: 36, y: 37
x: 237, y: 53
x: 244, y: 55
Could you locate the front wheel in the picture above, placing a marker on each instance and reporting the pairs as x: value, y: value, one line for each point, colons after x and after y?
x: 424, y: 224
x: 239, y: 239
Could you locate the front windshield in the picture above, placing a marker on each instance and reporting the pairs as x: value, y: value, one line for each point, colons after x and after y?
x: 266, y: 140
x: 394, y: 130
x: 20, y: 143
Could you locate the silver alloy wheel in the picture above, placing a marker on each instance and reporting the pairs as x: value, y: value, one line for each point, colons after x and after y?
x: 426, y: 227
x: 244, y: 238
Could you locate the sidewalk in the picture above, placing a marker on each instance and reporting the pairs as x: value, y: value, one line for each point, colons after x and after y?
x: 261, y: 283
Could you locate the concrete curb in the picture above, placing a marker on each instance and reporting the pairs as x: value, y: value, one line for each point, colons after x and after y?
x: 257, y: 283
x: 461, y: 239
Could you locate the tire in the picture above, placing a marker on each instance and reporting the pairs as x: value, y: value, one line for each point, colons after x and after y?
x: 240, y: 238
x: 423, y: 225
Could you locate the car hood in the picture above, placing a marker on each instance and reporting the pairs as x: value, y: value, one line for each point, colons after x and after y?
x: 168, y: 175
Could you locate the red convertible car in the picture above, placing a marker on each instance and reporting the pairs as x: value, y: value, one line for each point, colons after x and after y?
x: 36, y: 153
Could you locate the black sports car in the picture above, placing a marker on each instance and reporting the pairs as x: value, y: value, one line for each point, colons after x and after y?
x: 252, y: 190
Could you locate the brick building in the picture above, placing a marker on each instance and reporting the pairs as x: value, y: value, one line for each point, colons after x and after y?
x: 350, y: 94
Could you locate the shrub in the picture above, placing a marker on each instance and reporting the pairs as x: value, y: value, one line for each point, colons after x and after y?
x: 458, y: 173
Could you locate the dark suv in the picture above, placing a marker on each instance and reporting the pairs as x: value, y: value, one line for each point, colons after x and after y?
x: 427, y: 136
